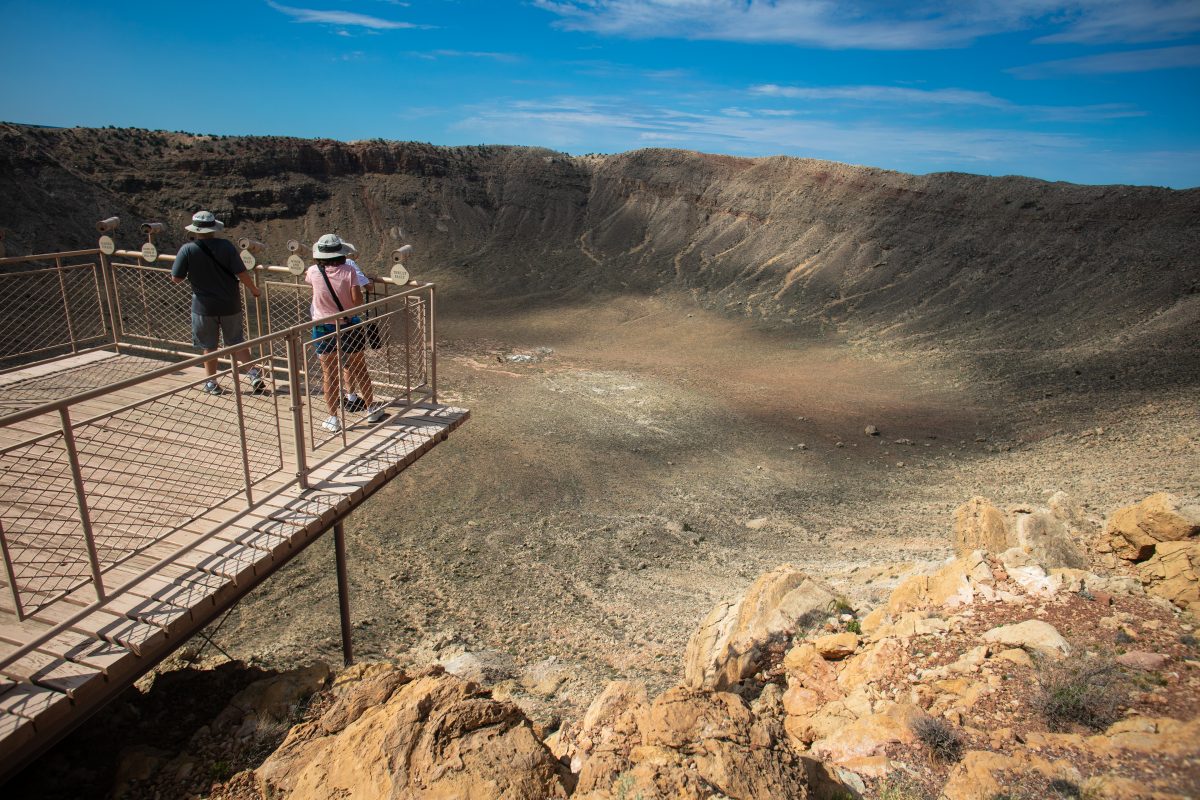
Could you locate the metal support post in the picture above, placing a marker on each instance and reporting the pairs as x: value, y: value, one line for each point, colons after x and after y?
x: 339, y: 547
x: 432, y: 348
x: 294, y: 357
x: 85, y: 517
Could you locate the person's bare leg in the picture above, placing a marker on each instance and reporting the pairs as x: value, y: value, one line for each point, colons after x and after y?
x: 356, y: 366
x: 330, y: 381
x: 210, y: 366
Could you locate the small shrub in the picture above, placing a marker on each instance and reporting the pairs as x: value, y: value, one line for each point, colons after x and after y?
x: 854, y: 626
x: 943, y: 742
x: 1124, y: 638
x: 1089, y: 692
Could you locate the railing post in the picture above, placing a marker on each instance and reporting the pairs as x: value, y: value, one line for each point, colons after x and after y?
x: 432, y: 348
x: 85, y: 517
x: 408, y: 355
x: 12, y: 574
x: 241, y: 423
x: 297, y: 408
x: 339, y: 550
x: 110, y: 298
x: 62, y: 289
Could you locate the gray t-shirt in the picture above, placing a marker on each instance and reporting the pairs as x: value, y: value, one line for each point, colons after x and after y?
x: 215, y: 291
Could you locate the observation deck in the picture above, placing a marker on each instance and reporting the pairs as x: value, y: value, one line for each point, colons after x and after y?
x: 135, y: 508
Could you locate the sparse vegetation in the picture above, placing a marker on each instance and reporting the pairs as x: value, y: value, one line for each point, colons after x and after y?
x: 942, y: 740
x: 1088, y: 692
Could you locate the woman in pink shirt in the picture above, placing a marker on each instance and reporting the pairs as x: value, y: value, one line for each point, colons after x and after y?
x: 336, y: 289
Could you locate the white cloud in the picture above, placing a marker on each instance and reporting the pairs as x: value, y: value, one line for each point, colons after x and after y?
x: 921, y: 100
x: 574, y: 122
x: 346, y: 18
x: 877, y: 24
x: 1105, y: 63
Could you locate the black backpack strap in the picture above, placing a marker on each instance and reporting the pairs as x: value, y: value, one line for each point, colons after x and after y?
x: 215, y: 260
x: 332, y: 293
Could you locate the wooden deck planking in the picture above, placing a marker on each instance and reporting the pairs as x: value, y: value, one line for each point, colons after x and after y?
x: 234, y: 548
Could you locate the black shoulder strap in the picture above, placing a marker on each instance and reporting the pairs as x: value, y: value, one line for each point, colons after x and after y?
x: 214, y: 259
x: 332, y: 293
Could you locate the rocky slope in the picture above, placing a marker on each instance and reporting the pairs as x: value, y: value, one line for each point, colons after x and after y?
x: 1092, y: 280
x: 1013, y: 670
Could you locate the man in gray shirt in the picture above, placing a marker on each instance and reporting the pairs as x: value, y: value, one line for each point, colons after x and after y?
x: 214, y: 269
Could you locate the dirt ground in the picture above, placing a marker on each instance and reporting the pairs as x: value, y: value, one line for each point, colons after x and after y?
x: 631, y: 462
x: 628, y: 464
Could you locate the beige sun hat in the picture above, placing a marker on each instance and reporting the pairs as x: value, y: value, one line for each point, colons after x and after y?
x: 205, y: 222
x: 330, y: 246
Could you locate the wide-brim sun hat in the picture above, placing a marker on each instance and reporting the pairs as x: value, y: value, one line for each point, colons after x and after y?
x: 205, y: 222
x: 330, y: 246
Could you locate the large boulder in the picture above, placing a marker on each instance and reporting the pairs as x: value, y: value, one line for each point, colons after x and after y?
x: 1033, y: 635
x: 436, y: 736
x: 693, y: 744
x: 728, y: 645
x: 979, y: 525
x: 954, y: 584
x: 1173, y: 572
x: 1042, y: 534
x: 1133, y: 532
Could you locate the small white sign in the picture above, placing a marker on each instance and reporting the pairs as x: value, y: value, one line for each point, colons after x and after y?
x: 107, y: 245
x: 248, y: 259
x: 295, y: 264
x: 399, y: 274
x: 149, y: 253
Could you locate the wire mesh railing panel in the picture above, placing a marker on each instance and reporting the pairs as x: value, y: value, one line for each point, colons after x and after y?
x: 18, y: 392
x: 51, y: 309
x: 40, y: 524
x: 151, y: 468
x: 156, y: 312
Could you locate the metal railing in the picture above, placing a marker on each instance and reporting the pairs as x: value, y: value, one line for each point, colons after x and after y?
x: 94, y: 478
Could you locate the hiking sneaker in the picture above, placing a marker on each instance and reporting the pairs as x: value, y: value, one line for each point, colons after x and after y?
x: 213, y: 388
x: 257, y: 384
x: 376, y: 412
x: 353, y: 403
x: 333, y: 424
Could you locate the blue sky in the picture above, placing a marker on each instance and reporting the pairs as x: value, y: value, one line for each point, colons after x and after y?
x: 1090, y: 91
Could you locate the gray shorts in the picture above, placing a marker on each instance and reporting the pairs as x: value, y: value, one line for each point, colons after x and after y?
x: 204, y: 330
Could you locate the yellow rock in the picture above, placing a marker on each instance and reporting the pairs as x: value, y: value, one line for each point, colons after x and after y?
x: 979, y: 525
x: 1135, y: 531
x: 1173, y: 573
x: 836, y: 646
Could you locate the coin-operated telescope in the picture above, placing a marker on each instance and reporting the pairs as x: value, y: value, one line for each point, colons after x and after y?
x: 295, y: 262
x: 251, y: 248
x: 149, y: 251
x: 400, y: 256
x: 105, y: 227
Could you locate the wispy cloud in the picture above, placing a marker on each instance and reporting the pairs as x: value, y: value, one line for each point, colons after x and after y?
x: 1105, y: 63
x: 431, y: 55
x: 877, y: 24
x: 921, y: 100
x: 344, y: 18
x: 570, y: 122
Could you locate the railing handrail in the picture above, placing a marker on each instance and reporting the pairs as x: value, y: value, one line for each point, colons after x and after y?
x: 45, y: 256
x: 89, y: 394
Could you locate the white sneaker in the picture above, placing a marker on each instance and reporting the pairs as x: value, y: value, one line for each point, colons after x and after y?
x: 376, y: 412
x: 257, y: 384
x: 333, y: 424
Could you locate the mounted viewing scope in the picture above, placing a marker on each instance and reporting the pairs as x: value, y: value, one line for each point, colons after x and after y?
x: 399, y: 255
x: 293, y: 246
x: 106, y: 225
x: 151, y: 228
x: 253, y: 245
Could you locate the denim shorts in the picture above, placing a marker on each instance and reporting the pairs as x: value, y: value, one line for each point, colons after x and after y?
x: 352, y: 341
x: 204, y: 330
